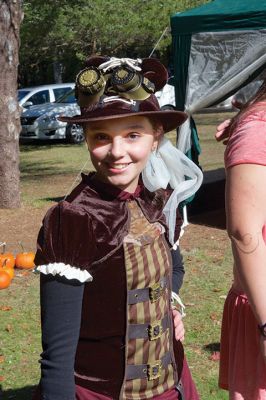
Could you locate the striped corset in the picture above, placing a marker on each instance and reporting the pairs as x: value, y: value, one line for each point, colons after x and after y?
x: 150, y: 367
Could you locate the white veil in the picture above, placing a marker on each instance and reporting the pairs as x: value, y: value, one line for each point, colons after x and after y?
x: 169, y: 166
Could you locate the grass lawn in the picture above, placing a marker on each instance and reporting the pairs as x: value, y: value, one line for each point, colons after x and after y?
x: 47, y: 174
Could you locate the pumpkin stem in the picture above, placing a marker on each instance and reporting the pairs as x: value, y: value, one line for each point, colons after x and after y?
x: 3, y: 244
x: 4, y: 263
x: 21, y: 245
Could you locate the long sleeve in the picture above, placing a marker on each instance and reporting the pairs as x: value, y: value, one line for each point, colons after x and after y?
x: 61, y: 305
x: 60, y: 245
x: 178, y: 270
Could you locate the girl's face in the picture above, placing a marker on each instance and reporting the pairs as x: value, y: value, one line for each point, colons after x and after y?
x: 119, y: 149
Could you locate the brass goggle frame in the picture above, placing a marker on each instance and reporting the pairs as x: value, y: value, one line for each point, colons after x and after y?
x: 91, y: 83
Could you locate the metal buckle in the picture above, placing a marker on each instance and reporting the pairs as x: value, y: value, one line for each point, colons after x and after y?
x: 155, y: 330
x: 154, y: 370
x: 155, y: 292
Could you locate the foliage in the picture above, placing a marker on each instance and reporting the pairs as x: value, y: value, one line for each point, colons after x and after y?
x: 67, y: 32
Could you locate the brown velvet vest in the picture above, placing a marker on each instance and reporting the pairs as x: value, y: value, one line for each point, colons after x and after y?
x: 100, y: 356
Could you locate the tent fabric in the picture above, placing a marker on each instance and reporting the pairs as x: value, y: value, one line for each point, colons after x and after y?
x: 232, y: 58
x: 211, y: 65
x: 221, y: 15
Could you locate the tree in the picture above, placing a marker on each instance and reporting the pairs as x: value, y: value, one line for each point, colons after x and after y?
x: 10, y: 19
x: 68, y: 32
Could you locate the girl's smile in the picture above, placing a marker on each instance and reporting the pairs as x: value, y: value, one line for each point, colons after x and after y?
x: 120, y: 148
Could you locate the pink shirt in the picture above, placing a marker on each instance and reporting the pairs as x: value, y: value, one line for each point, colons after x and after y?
x: 247, y: 143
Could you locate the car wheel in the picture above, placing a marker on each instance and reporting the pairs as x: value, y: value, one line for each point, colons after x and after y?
x: 74, y: 134
x: 168, y: 107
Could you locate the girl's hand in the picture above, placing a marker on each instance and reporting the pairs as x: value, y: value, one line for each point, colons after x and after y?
x: 178, y: 325
x: 222, y: 132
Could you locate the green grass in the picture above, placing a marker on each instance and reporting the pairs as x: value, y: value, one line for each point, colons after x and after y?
x: 20, y: 336
x: 39, y: 160
x: 55, y: 163
x: 47, y: 174
x: 208, y: 276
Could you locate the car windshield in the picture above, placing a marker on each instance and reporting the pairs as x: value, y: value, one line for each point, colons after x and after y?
x: 22, y: 93
x: 69, y: 97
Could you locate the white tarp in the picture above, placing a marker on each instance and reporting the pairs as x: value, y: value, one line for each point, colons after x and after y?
x: 226, y: 60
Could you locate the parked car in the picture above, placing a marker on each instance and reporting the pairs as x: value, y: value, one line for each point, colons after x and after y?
x: 40, y: 122
x: 31, y: 96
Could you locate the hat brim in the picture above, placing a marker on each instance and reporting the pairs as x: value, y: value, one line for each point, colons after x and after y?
x: 170, y: 119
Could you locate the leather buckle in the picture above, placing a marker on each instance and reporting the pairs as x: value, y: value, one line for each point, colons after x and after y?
x: 155, y: 330
x: 155, y: 292
x: 154, y: 370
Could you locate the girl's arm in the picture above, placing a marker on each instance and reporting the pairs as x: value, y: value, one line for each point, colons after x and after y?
x: 61, y: 304
x: 246, y: 218
x: 178, y: 270
x: 177, y: 280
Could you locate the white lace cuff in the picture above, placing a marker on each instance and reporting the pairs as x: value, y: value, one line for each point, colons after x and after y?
x: 65, y: 270
x: 177, y: 304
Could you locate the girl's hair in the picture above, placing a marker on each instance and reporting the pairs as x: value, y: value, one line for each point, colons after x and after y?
x: 157, y: 198
x: 260, y: 95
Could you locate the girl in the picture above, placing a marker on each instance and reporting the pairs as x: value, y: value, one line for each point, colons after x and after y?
x: 108, y: 329
x: 243, y: 337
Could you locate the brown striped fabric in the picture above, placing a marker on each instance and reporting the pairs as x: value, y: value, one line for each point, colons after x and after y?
x: 147, y: 260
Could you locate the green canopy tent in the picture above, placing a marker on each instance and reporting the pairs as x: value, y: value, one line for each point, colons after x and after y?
x: 217, y: 48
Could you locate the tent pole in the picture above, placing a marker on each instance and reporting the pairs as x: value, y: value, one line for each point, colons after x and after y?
x: 158, y: 41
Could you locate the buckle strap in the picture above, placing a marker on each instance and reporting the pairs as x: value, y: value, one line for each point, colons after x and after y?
x: 150, y: 293
x: 148, y: 371
x: 152, y: 330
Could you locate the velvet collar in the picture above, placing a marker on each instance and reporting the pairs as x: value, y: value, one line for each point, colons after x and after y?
x: 110, y: 190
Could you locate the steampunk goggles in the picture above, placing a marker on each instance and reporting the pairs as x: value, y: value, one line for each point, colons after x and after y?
x: 123, y: 79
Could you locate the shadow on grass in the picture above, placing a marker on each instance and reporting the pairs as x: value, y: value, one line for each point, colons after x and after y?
x: 44, y: 144
x: 33, y: 145
x: 211, y: 347
x: 24, y: 393
x: 56, y: 199
x: 213, y: 219
x: 42, y: 159
x: 32, y: 171
x: 208, y: 205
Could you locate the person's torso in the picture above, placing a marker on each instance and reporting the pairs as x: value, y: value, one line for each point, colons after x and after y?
x: 125, y: 347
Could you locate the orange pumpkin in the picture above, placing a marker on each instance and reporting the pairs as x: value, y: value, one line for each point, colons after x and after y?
x: 10, y: 259
x: 5, y: 279
x: 8, y: 269
x: 25, y: 260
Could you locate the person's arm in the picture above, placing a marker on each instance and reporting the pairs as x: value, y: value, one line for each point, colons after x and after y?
x: 246, y: 217
x: 177, y: 280
x: 63, y: 263
x: 178, y: 270
x: 61, y: 304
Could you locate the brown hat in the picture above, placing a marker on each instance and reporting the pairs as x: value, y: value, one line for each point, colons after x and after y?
x: 110, y: 88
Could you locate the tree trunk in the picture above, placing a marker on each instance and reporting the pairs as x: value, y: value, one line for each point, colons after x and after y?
x: 10, y: 19
x: 58, y: 71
